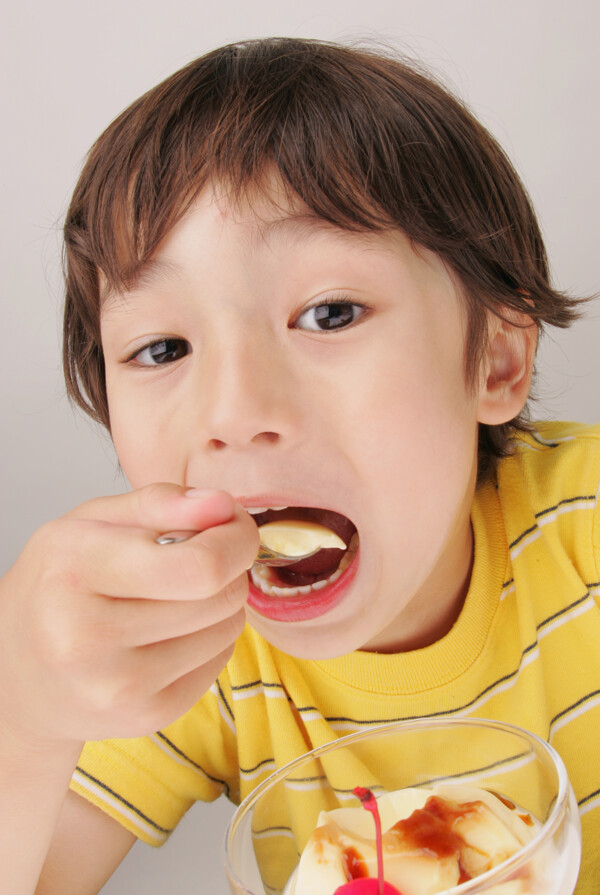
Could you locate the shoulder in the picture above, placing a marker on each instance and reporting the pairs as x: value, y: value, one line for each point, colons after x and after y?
x: 550, y: 486
x: 549, y: 435
x: 553, y: 465
x: 555, y: 458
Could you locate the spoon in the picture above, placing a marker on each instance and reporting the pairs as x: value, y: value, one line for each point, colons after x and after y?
x: 281, y: 543
x: 269, y: 557
x: 289, y: 541
x: 266, y: 555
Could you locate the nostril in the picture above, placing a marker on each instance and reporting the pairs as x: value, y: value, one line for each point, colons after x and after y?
x: 268, y: 437
x: 219, y: 444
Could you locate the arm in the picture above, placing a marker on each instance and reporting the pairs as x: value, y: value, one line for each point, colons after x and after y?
x: 86, y: 849
x: 32, y: 788
x: 104, y: 633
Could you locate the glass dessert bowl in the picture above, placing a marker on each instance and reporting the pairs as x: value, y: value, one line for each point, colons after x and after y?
x: 468, y: 806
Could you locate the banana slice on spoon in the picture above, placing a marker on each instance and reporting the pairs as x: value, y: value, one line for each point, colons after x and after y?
x: 292, y: 540
x: 281, y: 543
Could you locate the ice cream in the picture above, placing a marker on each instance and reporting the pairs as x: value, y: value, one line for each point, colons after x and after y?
x: 433, y: 839
x: 297, y: 537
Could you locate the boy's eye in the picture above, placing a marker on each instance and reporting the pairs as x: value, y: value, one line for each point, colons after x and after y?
x: 163, y: 351
x: 329, y: 316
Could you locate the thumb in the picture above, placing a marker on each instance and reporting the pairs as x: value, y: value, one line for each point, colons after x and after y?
x: 161, y: 507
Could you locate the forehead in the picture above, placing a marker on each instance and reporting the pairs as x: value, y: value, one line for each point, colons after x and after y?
x: 267, y: 213
x: 267, y: 221
x: 262, y: 221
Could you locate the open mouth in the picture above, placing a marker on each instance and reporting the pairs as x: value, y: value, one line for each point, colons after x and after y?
x: 311, y: 586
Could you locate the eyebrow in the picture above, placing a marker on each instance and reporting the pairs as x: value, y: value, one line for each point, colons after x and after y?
x: 157, y: 270
x: 298, y: 227
x: 154, y: 271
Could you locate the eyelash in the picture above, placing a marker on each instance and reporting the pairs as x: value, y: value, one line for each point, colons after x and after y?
x: 175, y: 348
x: 328, y: 304
x: 358, y: 311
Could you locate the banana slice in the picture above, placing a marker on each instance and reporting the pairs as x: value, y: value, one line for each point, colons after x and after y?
x: 427, y: 849
x: 297, y: 537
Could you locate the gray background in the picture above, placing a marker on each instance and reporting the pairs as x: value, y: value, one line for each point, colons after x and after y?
x: 527, y: 67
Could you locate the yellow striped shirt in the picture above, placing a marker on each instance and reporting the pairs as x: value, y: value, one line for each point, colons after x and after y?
x: 525, y: 649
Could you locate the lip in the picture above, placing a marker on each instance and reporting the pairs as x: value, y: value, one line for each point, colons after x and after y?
x: 302, y: 608
x: 279, y: 499
x: 290, y: 501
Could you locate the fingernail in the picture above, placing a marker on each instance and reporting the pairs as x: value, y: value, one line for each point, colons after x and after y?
x: 197, y: 493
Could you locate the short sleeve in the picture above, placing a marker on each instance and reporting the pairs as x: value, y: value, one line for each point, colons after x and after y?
x: 148, y: 783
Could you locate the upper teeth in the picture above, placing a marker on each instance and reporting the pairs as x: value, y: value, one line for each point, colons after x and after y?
x: 255, y: 510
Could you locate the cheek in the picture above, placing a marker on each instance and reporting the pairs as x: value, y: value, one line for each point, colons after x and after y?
x: 146, y: 448
x: 133, y: 451
x: 417, y: 409
x: 413, y: 435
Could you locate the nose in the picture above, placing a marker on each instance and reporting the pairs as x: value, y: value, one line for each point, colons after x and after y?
x: 250, y: 398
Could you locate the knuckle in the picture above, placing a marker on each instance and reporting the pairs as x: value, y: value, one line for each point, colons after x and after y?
x: 145, y: 500
x: 149, y: 494
x: 208, y: 565
x: 205, y: 567
x: 151, y: 497
x: 115, y: 693
x: 235, y: 594
x: 60, y: 548
x: 226, y: 632
x: 235, y: 553
x: 237, y: 623
x: 65, y: 639
x: 68, y: 647
x: 55, y: 638
x: 51, y: 538
x: 99, y: 696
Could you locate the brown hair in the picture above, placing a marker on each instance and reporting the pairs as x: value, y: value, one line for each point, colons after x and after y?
x: 365, y: 140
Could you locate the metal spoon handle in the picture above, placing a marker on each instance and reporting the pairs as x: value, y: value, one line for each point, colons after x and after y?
x: 266, y: 556
x: 172, y: 539
x: 269, y: 557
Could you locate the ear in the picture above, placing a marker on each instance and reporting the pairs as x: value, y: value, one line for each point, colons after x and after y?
x: 507, y: 368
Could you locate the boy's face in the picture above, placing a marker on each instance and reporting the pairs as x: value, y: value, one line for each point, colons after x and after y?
x: 295, y: 364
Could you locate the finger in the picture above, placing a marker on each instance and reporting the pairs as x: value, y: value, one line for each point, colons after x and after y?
x: 158, y: 665
x: 139, y: 622
x: 169, y: 704
x: 181, y: 695
x: 117, y: 561
x: 161, y: 507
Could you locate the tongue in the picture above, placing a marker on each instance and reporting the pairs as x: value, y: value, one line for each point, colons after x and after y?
x: 325, y: 562
x: 321, y: 565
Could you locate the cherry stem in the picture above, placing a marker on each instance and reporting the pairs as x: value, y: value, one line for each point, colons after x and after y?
x: 369, y: 802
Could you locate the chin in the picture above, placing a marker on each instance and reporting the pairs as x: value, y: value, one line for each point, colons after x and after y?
x: 317, y: 639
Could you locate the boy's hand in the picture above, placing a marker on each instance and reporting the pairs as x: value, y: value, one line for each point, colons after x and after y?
x: 104, y: 632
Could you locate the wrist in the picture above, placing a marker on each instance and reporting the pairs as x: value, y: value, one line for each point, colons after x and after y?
x: 21, y: 747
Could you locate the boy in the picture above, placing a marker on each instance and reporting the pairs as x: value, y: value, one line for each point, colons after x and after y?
x: 302, y: 275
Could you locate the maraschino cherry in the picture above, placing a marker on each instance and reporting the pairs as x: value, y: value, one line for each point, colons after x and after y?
x: 368, y: 885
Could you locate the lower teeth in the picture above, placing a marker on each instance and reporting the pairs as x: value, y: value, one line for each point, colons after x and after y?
x: 262, y: 580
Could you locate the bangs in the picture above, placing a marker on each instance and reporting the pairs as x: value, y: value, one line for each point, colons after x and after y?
x: 323, y: 120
